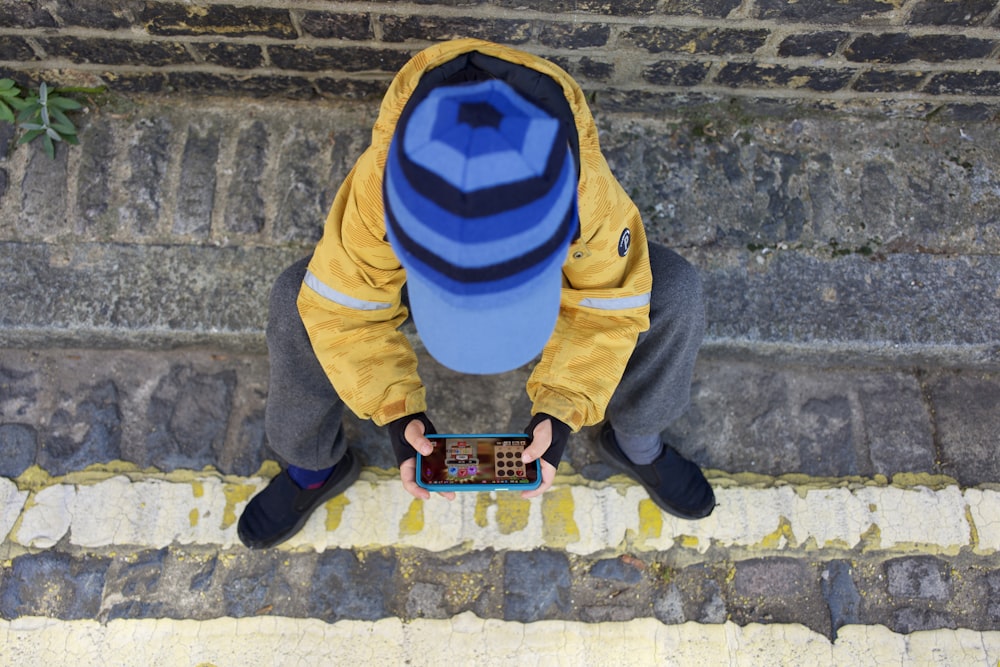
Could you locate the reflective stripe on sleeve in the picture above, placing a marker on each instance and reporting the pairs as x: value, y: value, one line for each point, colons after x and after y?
x: 339, y: 298
x: 620, y: 303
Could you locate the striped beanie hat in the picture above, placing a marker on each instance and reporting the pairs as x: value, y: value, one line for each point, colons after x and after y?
x: 480, y: 206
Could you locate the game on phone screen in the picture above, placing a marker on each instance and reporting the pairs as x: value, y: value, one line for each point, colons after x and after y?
x: 477, y: 461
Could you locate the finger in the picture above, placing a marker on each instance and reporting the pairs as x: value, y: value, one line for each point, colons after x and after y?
x: 408, y: 475
x: 548, y: 476
x: 414, y: 434
x: 541, y: 439
x: 447, y: 495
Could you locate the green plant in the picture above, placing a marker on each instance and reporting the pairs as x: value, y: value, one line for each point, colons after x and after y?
x: 41, y: 114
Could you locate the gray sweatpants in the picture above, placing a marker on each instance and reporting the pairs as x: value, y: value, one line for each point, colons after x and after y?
x: 303, y: 413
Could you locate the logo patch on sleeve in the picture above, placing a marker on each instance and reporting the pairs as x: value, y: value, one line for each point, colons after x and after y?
x: 624, y: 241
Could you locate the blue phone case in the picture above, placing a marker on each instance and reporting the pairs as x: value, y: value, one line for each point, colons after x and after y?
x: 476, y: 486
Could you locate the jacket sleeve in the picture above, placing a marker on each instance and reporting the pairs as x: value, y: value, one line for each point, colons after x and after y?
x: 605, y: 305
x: 350, y: 303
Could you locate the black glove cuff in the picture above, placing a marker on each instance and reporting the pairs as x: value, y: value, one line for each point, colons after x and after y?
x: 560, y: 436
x: 397, y: 429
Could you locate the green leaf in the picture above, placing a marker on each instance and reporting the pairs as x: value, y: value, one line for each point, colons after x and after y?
x: 50, y: 148
x: 30, y: 136
x: 34, y: 127
x: 5, y: 113
x: 43, y: 94
x: 6, y: 84
x: 63, y: 103
x: 71, y: 139
x: 59, y: 118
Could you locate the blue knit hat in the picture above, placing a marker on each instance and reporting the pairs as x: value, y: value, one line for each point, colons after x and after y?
x: 480, y: 206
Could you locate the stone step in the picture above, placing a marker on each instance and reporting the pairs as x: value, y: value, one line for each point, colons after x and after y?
x: 65, y: 409
x: 902, y: 310
x: 467, y: 639
x: 920, y: 554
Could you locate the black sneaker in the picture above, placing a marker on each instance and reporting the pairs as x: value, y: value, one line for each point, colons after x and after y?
x: 675, y: 484
x: 281, y: 509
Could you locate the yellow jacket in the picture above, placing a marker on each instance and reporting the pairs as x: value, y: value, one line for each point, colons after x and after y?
x: 350, y: 301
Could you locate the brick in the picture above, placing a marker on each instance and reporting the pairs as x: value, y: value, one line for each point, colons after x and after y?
x: 962, y: 12
x: 15, y: 48
x: 167, y: 18
x: 92, y: 14
x: 888, y: 81
x: 821, y: 11
x: 738, y: 75
x: 115, y: 51
x: 404, y: 28
x: 965, y: 83
x: 25, y: 14
x: 713, y: 8
x: 585, y: 68
x: 239, y: 56
x: 707, y: 41
x: 330, y: 25
x: 196, y: 190
x: 676, y: 73
x: 812, y: 44
x: 610, y: 7
x: 901, y: 48
x: 574, y: 36
x: 352, y: 89
x: 348, y: 59
x: 245, y: 201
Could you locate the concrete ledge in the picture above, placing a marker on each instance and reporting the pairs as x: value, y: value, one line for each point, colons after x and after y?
x: 467, y: 639
x: 187, y: 508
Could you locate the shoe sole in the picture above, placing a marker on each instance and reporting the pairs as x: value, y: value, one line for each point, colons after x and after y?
x: 353, y: 472
x: 620, y: 465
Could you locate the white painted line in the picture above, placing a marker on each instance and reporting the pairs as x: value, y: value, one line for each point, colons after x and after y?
x: 467, y: 639
x: 577, y: 518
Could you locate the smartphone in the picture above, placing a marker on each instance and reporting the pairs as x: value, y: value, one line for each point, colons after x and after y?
x: 478, y: 462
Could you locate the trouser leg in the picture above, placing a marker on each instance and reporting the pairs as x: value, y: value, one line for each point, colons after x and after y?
x: 656, y: 387
x: 302, y: 417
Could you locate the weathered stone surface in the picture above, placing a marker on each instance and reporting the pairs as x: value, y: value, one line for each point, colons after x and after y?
x: 239, y: 56
x: 53, y: 584
x: 574, y: 36
x: 841, y: 594
x: 344, y: 59
x: 189, y: 415
x: 919, y: 577
x: 79, y: 435
x: 43, y: 192
x: 245, y: 206
x: 968, y: 12
x: 18, y: 446
x: 967, y: 423
x: 115, y: 51
x: 755, y: 75
x: 820, y: 11
x: 715, y: 42
x: 536, y: 585
x: 347, y: 587
x: 778, y: 590
x: 812, y: 44
x: 884, y: 81
x: 196, y: 190
x: 148, y: 160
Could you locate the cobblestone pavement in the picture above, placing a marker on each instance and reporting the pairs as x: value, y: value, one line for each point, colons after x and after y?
x: 844, y: 406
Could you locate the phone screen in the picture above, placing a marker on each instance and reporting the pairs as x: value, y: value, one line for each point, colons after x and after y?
x: 477, y: 459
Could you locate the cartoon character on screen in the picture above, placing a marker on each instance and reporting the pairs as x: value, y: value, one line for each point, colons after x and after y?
x: 462, y: 459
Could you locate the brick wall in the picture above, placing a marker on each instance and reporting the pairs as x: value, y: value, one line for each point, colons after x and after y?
x: 910, y: 56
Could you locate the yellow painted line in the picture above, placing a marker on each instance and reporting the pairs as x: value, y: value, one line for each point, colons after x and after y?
x: 467, y: 640
x: 576, y: 516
